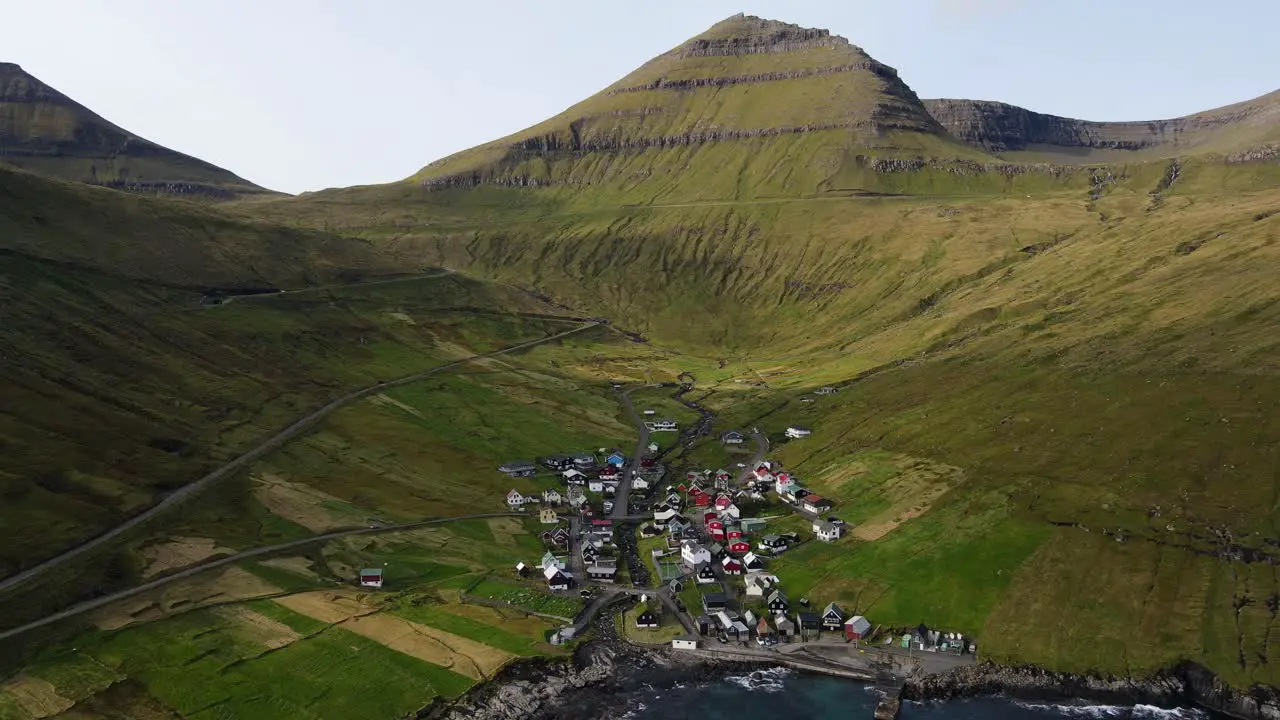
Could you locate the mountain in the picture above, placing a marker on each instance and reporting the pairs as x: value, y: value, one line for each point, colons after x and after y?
x: 1018, y: 134
x: 749, y: 95
x: 45, y: 132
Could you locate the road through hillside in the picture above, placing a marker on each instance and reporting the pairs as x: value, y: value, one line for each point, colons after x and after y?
x: 270, y: 444
x: 96, y: 603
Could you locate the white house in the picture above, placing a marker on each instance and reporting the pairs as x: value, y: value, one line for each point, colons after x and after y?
x: 653, y: 447
x: 664, y: 514
x: 663, y: 425
x: 826, y: 531
x: 795, y: 432
x: 693, y: 553
x: 595, y: 485
x: 648, y: 412
x: 574, y: 496
x: 552, y: 497
x: 574, y: 477
x: 730, y: 511
x: 640, y: 483
x: 515, y: 500
x: 551, y: 561
x: 783, y: 483
x: 758, y: 584
x: 815, y: 504
x: 733, y: 437
x: 825, y: 390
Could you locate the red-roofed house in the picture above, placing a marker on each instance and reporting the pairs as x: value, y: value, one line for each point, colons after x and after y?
x: 815, y: 504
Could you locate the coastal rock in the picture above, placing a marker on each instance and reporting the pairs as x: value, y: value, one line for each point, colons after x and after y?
x: 1185, y: 684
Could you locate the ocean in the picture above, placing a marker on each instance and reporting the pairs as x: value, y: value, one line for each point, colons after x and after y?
x: 786, y: 694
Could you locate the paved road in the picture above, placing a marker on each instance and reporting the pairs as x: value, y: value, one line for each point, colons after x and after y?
x: 577, y: 567
x: 238, y: 557
x: 762, y: 448
x: 622, y: 498
x: 270, y: 444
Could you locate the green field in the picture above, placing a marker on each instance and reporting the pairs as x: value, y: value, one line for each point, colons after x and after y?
x: 498, y: 637
x: 528, y: 598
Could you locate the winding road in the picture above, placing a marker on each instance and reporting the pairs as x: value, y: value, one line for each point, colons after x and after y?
x: 270, y: 444
x: 96, y: 603
x: 622, y: 498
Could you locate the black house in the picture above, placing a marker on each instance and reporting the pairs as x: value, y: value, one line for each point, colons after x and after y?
x: 714, y: 602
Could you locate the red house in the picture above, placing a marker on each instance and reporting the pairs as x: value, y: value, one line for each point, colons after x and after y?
x: 702, y: 499
x: 709, y: 516
x: 733, y: 534
x: 856, y: 628
x: 723, y: 501
x: 731, y: 566
x: 740, y: 547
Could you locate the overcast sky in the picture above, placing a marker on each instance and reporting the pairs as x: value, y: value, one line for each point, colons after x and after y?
x: 306, y: 94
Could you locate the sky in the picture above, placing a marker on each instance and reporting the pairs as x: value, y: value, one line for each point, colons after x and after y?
x: 302, y: 95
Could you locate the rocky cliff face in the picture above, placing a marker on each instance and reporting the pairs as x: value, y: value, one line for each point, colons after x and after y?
x: 45, y: 132
x: 998, y: 127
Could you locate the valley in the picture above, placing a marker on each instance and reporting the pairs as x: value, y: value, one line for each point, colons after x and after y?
x: 1035, y: 354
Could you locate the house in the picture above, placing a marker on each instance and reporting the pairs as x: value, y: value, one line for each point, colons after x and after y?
x: 733, y: 437
x: 815, y: 504
x: 751, y: 525
x: 589, y: 553
x: 723, y: 500
x: 706, y: 575
x: 646, y: 620
x: 752, y: 562
x: 595, y: 485
x: 522, y: 569
x: 739, y: 547
x: 551, y: 561
x: 809, y: 625
x: 709, y: 516
x: 826, y: 531
x: 700, y: 499
x: 825, y: 390
x: 552, y: 497
x: 547, y: 516
x: 685, y: 642
x: 574, y: 477
x: 693, y: 554
x: 595, y: 541
x: 602, y: 572
x: 723, y: 475
x: 857, y: 628
x: 648, y: 412
x: 716, y: 550
x: 762, y: 628
x: 663, y: 515
x: 584, y: 461
x: 640, y: 482
x: 575, y: 497
x: 778, y: 603
x: 519, y: 468
x: 371, y: 577
x: 556, y: 578
x: 758, y: 585
x: 689, y: 533
x: 714, y: 602
x: 783, y: 483
x: 730, y: 512
x: 603, y: 527
x: 716, y: 529
x: 786, y: 628
x: 515, y: 500
x: 652, y: 447
x: 608, y: 506
x: 832, y: 618
x: 607, y: 473
x: 559, y: 463
x: 558, y: 537
x: 731, y: 566
x: 616, y: 459
x: 773, y: 544
x: 795, y: 432
x: 732, y: 531
x: 738, y: 631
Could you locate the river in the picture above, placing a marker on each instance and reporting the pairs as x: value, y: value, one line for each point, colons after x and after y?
x: 786, y: 694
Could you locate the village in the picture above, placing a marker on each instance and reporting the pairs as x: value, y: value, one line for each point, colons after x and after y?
x: 696, y: 551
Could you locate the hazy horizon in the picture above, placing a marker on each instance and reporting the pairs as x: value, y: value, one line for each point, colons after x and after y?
x: 301, y: 96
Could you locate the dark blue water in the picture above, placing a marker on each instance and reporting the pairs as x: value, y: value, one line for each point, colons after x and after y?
x: 790, y: 695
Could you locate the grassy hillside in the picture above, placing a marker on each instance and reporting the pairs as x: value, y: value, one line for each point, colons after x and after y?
x: 45, y: 132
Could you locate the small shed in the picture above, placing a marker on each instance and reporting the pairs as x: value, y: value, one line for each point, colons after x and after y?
x: 685, y: 642
x: 786, y: 627
x: 371, y: 577
x: 857, y: 628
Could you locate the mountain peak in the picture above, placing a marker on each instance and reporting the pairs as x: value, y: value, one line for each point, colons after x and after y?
x: 47, y: 133
x: 743, y: 85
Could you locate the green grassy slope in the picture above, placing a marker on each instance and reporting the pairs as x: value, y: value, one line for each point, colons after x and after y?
x: 45, y: 132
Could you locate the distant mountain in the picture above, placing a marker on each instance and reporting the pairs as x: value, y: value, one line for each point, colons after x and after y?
x: 729, y: 111
x: 45, y: 132
x: 1019, y: 134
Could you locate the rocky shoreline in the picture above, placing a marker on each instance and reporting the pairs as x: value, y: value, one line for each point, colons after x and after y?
x: 1186, y: 684
x: 581, y: 687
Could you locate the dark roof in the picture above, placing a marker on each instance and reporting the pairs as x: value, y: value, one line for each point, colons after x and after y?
x: 808, y: 618
x: 715, y: 598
